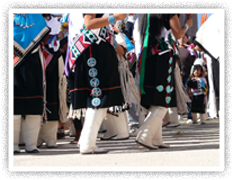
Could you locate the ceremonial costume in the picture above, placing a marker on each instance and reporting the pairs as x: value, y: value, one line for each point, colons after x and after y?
x: 117, y: 124
x: 29, y: 78
x: 93, y: 78
x: 157, y: 82
x: 198, y: 88
x: 54, y: 75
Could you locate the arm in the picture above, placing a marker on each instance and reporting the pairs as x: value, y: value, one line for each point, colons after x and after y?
x: 178, y: 31
x: 91, y: 22
x: 120, y: 50
x: 206, y: 86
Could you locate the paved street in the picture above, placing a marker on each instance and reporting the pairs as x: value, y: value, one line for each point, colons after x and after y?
x: 198, y: 145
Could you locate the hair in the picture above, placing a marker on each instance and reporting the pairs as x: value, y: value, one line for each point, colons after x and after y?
x: 156, y: 27
x: 198, y: 67
x: 47, y: 16
x: 192, y: 39
x: 186, y: 34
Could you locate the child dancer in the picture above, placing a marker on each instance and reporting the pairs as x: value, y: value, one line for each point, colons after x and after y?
x: 197, y: 89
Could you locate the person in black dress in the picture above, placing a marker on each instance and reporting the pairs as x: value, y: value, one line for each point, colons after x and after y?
x: 157, y: 34
x: 93, y: 77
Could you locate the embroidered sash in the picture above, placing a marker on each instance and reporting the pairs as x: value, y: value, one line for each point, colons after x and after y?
x: 87, y: 37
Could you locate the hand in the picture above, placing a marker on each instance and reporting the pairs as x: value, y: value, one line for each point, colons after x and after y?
x: 62, y: 33
x: 189, y: 22
x: 120, y: 16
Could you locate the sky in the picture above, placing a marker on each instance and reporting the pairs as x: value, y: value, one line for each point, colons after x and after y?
x: 199, y: 19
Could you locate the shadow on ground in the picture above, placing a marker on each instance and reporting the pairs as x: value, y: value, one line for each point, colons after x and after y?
x: 192, y: 137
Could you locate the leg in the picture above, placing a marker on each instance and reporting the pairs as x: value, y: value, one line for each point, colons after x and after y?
x: 40, y: 139
x: 194, y: 115
x: 78, y: 128
x: 50, y: 133
x: 32, y: 127
x: 202, y: 118
x: 151, y: 127
x: 166, y: 119
x: 121, y: 125
x: 174, y: 122
x: 157, y: 138
x: 17, y: 125
x: 87, y: 141
x: 110, y: 127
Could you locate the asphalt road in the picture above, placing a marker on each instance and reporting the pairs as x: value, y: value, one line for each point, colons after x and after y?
x: 198, y: 146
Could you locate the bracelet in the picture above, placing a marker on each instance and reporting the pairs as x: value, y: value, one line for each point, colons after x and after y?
x: 115, y: 44
x: 187, y: 27
x: 112, y: 19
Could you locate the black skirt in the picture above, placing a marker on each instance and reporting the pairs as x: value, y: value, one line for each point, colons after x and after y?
x: 198, y: 104
x: 159, y: 82
x: 106, y: 79
x: 28, y: 87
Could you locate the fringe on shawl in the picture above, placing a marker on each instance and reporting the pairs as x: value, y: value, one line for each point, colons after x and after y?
x: 62, y: 89
x: 130, y: 90
x: 181, y: 95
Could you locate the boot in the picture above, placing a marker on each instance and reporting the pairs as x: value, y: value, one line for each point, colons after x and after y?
x: 110, y: 127
x: 17, y: 125
x: 87, y: 141
x: 50, y: 133
x: 121, y: 125
x: 173, y: 117
x: 21, y: 138
x: 194, y: 116
x: 40, y: 139
x: 32, y: 127
x: 77, y: 136
x: 202, y: 118
x: 72, y: 130
x: 166, y: 120
x: 152, y: 124
x: 157, y: 138
x: 142, y: 116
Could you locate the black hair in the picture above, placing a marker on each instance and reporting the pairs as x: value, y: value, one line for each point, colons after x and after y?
x: 198, y: 67
x: 156, y: 27
x: 192, y: 39
x: 47, y: 16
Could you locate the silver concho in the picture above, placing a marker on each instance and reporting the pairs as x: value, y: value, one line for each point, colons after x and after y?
x: 91, y: 62
x: 93, y: 72
x: 96, y: 102
x: 96, y: 92
x: 95, y: 82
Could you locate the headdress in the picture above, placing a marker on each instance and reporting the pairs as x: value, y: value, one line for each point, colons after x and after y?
x: 199, y: 61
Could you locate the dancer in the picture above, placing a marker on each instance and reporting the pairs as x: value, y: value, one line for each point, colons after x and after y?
x: 154, y: 32
x: 117, y: 124
x: 54, y: 69
x: 29, y: 78
x: 93, y: 74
